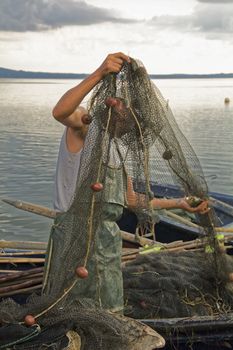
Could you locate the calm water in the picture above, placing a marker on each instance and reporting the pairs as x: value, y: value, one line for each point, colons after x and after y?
x: 29, y: 141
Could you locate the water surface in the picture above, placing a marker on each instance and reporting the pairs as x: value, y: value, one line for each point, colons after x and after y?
x: 29, y: 140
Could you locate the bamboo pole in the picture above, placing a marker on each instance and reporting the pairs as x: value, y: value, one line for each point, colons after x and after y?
x: 43, y: 245
x: 21, y: 291
x: 224, y: 229
x: 38, y: 276
x: 13, y: 276
x: 9, y: 271
x: 21, y: 260
x: 185, y: 247
x: 32, y: 208
x: 129, y: 257
x: 20, y: 285
x: 179, y: 246
x: 23, y: 245
x: 24, y: 253
x: 126, y: 236
x: 27, y: 253
x: 182, y: 220
x: 44, y: 211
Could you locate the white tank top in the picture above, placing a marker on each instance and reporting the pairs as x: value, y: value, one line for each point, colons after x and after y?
x: 66, y: 176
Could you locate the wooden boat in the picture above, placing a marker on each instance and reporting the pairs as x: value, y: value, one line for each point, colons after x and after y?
x: 203, y: 333
x: 171, y: 226
x: 21, y: 268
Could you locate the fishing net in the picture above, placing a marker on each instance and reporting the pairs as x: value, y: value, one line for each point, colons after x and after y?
x: 132, y: 141
x: 176, y: 284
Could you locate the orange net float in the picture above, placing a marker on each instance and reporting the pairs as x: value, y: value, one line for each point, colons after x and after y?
x: 118, y: 103
x: 97, y: 187
x: 111, y: 102
x: 29, y: 320
x: 81, y: 272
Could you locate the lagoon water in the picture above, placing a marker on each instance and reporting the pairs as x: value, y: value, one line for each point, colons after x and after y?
x: 29, y: 140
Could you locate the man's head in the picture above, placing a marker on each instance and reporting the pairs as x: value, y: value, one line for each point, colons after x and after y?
x: 122, y: 121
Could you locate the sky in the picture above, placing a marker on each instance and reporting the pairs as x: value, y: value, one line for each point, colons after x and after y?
x: 168, y: 36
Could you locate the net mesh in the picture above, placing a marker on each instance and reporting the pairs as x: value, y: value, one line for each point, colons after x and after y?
x: 132, y: 141
x: 172, y: 285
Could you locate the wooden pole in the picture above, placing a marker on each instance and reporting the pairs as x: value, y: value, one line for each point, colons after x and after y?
x: 23, y: 245
x: 13, y: 276
x: 44, y: 211
x: 24, y: 253
x: 224, y: 229
x: 126, y: 236
x: 22, y: 279
x: 182, y: 220
x: 20, y: 285
x: 32, y: 208
x: 26, y: 290
x: 21, y: 260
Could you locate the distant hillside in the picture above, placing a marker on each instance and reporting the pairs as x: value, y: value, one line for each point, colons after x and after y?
x: 10, y: 73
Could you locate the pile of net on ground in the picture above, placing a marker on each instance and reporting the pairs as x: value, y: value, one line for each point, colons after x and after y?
x: 134, y: 133
x: 95, y: 328
x: 173, y: 285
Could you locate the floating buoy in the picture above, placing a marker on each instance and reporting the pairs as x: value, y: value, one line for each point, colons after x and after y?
x: 29, y: 320
x: 97, y: 187
x: 81, y: 272
x: 226, y: 100
x: 86, y: 119
x: 111, y: 102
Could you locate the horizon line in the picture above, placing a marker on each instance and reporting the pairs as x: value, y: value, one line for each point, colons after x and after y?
x: 21, y: 71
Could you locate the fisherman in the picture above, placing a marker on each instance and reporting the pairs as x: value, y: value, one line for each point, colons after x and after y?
x: 69, y: 112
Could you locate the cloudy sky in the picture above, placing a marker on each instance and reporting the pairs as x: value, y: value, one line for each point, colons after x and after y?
x: 169, y: 36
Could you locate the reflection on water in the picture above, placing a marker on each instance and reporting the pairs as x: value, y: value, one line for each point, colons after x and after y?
x: 29, y: 141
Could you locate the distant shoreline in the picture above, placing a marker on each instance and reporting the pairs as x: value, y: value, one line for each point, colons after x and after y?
x: 20, y: 74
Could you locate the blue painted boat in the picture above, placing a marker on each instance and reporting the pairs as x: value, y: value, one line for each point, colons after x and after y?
x: 169, y: 229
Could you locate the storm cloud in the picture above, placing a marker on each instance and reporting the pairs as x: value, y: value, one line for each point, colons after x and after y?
x: 214, y: 22
x: 36, y: 15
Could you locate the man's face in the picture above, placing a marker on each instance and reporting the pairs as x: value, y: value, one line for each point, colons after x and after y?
x: 122, y: 118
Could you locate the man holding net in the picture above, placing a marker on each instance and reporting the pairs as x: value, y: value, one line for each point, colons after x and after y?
x: 69, y: 112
